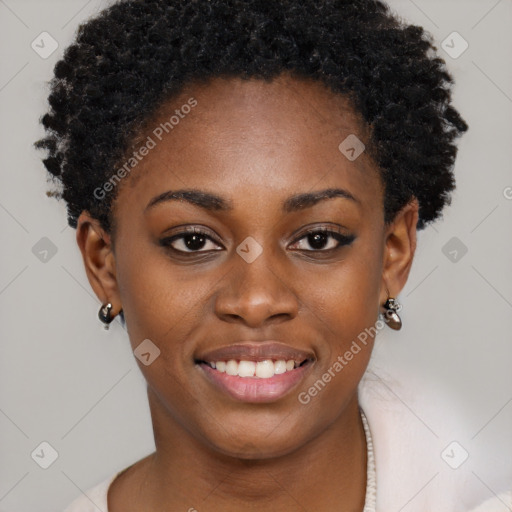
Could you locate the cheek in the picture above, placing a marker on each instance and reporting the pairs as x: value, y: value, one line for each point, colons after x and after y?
x: 346, y: 307
x: 346, y: 298
x: 157, y: 300
x: 160, y: 307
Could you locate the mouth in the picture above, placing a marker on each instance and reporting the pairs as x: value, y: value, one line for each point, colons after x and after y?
x: 255, y: 372
x: 246, y: 368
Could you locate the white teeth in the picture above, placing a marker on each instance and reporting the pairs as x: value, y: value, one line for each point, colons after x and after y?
x: 232, y: 367
x: 265, y: 369
x: 246, y: 368
x: 279, y: 366
x: 261, y: 369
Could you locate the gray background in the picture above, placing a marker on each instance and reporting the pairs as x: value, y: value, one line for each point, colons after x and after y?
x: 65, y: 380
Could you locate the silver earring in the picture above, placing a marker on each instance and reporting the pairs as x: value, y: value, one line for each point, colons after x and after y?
x: 390, y: 315
x: 104, y: 314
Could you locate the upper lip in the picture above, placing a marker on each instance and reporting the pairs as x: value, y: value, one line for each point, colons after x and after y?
x: 255, y: 351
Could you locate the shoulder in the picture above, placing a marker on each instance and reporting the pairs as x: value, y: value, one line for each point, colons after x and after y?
x: 425, y: 456
x: 496, y: 504
x: 94, y: 499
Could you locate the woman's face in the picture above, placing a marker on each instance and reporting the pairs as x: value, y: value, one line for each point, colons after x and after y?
x: 252, y: 275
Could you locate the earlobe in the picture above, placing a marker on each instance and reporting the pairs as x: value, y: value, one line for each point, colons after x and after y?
x: 399, y: 249
x: 99, y: 261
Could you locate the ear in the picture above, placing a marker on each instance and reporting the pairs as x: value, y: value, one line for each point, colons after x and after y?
x: 399, y: 249
x: 97, y: 252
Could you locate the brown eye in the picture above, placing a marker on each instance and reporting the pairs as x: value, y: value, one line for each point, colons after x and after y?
x: 324, y: 240
x: 190, y: 241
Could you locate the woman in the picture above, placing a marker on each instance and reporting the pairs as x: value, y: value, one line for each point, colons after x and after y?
x: 246, y: 179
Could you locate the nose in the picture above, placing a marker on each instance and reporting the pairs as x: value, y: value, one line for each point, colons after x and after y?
x: 258, y: 293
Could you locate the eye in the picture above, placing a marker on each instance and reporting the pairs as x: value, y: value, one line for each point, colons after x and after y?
x: 324, y: 240
x: 195, y: 240
x: 192, y: 240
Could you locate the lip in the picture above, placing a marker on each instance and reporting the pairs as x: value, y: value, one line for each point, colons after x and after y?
x: 255, y: 351
x: 253, y: 389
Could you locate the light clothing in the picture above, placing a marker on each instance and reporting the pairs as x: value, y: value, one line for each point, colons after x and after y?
x: 94, y: 500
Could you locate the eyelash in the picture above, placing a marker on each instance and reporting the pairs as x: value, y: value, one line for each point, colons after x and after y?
x: 342, y: 239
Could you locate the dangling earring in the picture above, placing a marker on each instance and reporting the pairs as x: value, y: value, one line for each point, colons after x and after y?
x: 105, y: 315
x: 390, y: 315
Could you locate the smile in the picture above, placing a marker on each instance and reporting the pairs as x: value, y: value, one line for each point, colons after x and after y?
x: 249, y: 387
x: 265, y: 369
x: 262, y: 371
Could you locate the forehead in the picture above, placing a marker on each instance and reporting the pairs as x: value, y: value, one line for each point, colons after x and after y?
x: 232, y: 135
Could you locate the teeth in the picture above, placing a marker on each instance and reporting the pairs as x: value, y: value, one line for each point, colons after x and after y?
x: 265, y: 369
x: 279, y: 366
x: 232, y: 367
x: 261, y: 369
x: 246, y: 368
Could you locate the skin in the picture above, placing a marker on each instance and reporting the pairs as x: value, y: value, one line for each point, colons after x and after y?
x: 255, y: 143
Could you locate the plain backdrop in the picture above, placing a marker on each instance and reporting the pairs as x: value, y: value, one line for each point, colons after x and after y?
x: 67, y: 382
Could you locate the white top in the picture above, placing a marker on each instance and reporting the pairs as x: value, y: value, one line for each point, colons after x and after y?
x: 94, y: 500
x: 405, y: 471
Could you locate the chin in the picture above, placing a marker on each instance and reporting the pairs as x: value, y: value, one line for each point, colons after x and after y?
x: 256, y: 449
x: 259, y: 439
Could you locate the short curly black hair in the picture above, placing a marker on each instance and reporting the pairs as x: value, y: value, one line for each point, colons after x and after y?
x: 136, y: 54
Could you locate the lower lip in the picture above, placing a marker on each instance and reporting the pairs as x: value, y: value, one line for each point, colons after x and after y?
x: 253, y: 389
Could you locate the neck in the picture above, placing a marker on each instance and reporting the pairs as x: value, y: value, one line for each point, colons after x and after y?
x: 320, y: 475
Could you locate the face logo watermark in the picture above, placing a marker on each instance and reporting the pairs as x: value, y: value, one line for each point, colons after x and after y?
x: 146, y: 352
x: 454, y: 249
x: 44, y: 250
x: 44, y: 455
x: 352, y: 147
x: 454, y: 455
x: 249, y: 249
x: 454, y: 45
x: 44, y: 45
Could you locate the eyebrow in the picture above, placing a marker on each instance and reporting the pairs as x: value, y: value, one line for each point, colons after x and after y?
x: 213, y: 202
